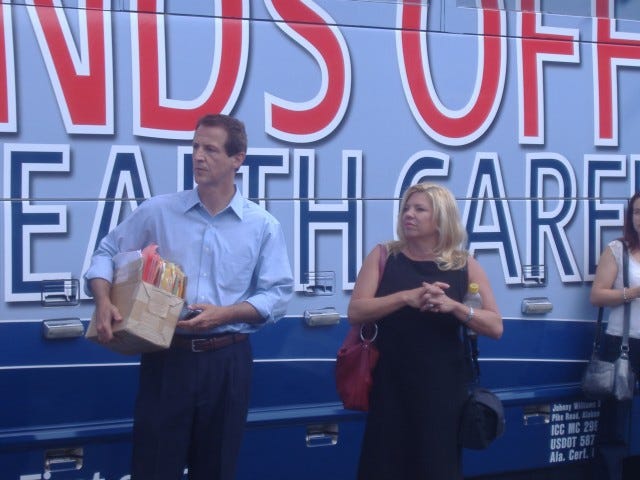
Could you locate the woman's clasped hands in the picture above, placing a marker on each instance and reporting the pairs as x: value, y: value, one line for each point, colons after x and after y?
x: 434, y: 298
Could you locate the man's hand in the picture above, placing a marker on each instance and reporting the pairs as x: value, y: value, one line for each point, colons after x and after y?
x: 106, y: 312
x: 209, y: 316
x: 107, y: 315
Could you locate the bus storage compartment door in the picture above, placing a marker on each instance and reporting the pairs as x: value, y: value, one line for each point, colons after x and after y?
x: 313, y: 448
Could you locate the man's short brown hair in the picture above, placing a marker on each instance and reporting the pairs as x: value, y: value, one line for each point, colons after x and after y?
x: 236, y: 133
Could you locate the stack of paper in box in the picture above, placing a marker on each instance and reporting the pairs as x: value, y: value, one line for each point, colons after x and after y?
x: 147, y: 291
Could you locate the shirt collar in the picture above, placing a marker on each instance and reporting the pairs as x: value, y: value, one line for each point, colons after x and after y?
x: 236, y: 204
x: 192, y: 200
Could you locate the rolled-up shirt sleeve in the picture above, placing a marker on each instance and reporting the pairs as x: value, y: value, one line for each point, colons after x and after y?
x: 101, y: 267
x: 126, y: 236
x: 273, y: 278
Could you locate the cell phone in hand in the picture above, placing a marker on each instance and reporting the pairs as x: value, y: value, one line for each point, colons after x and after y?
x: 188, y: 313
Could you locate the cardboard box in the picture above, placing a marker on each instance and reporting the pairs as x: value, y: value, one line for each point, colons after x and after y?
x: 150, y: 317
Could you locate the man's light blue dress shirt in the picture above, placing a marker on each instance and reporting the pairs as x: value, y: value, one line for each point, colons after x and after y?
x: 237, y: 255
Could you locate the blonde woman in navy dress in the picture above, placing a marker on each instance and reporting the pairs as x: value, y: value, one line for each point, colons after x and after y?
x: 420, y: 379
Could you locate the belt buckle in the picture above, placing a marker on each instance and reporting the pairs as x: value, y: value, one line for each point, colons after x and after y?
x: 199, y: 341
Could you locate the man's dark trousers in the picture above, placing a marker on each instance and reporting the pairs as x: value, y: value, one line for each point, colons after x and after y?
x: 191, y: 411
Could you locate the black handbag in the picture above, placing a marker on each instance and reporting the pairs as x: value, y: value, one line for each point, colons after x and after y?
x: 602, y: 379
x: 482, y: 419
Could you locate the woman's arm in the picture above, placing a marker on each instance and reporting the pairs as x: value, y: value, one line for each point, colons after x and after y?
x: 487, y: 320
x: 602, y: 292
x: 365, y: 307
x: 484, y: 321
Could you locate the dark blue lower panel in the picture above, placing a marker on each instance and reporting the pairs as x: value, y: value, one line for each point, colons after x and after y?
x: 49, y: 403
x: 551, y: 429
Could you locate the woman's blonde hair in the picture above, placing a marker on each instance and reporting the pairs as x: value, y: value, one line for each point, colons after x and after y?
x: 450, y: 251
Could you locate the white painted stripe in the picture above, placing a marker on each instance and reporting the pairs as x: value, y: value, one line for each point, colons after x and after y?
x: 280, y: 360
x: 343, y: 319
x: 70, y: 365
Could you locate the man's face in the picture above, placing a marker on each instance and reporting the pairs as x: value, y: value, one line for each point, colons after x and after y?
x: 211, y: 164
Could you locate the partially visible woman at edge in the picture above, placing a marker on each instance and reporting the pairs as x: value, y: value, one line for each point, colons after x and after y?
x: 420, y: 381
x: 608, y: 290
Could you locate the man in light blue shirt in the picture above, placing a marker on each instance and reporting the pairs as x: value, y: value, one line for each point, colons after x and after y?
x: 193, y: 398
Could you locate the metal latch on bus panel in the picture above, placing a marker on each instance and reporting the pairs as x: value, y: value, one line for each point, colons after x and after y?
x: 321, y: 316
x: 63, y: 459
x: 325, y: 435
x: 56, y: 328
x: 59, y: 293
x: 534, y: 276
x: 536, y: 305
x: 537, y: 414
x: 320, y: 283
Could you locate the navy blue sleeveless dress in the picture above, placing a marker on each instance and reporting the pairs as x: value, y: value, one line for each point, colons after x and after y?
x: 419, y: 383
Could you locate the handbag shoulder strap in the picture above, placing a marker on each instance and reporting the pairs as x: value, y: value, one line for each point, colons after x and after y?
x: 624, y: 347
x: 365, y: 328
x: 471, y: 354
x: 598, y: 334
x: 627, y: 306
x: 470, y: 341
x: 382, y: 260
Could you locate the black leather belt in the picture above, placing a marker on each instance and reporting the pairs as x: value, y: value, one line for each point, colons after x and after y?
x: 207, y: 343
